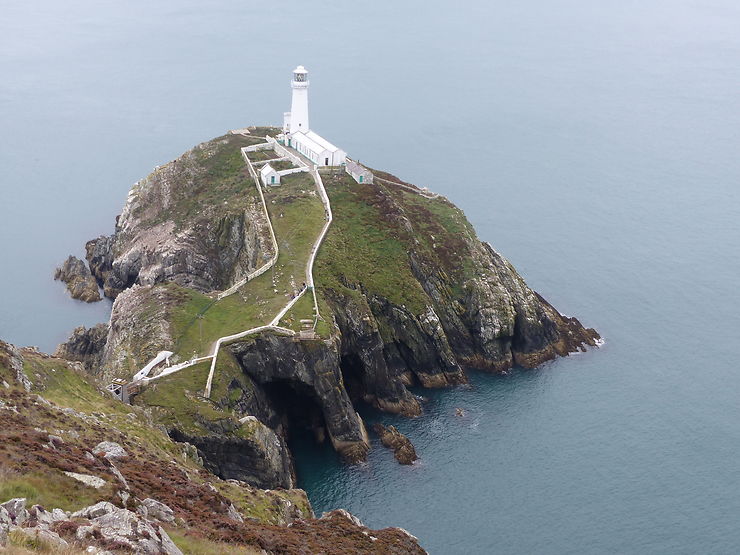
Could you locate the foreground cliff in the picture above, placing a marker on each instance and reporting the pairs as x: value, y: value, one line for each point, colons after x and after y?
x: 81, y: 472
x: 407, y: 294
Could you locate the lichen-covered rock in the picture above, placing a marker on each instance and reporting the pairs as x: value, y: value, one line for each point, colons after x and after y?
x: 153, y: 509
x: 80, y: 282
x: 109, y: 450
x: 12, y: 360
x: 16, y: 510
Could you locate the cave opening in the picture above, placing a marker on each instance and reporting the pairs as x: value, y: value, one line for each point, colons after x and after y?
x: 352, y: 376
x: 298, y: 409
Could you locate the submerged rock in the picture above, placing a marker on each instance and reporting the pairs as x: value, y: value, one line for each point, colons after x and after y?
x: 80, y: 282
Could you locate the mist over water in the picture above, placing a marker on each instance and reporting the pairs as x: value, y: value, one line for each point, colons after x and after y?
x: 595, y: 144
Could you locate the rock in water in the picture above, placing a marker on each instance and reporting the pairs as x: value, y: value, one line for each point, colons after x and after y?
x: 402, y: 447
x: 80, y: 282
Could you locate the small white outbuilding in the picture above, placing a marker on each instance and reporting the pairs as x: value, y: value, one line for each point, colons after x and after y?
x: 269, y: 175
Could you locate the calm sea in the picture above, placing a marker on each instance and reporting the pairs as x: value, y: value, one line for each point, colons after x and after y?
x: 595, y: 144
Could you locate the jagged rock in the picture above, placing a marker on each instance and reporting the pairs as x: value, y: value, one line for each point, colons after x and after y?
x: 233, y: 514
x: 402, y: 447
x: 80, y: 282
x: 309, y: 372
x: 344, y: 514
x: 151, y: 508
x: 11, y: 358
x: 109, y: 450
x: 16, y: 510
x: 205, y: 249
x: 5, y: 524
x: 85, y: 345
x: 127, y: 528
x: 261, y: 459
x: 87, y: 479
x: 94, y: 511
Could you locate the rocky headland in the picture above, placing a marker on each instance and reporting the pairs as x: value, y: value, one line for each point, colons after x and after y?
x: 407, y: 296
x: 79, y: 280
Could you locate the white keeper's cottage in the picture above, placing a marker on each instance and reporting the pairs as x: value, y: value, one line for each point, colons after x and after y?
x: 269, y: 175
x: 297, y: 133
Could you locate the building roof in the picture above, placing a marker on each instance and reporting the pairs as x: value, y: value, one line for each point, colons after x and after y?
x: 307, y: 141
x: 267, y: 169
x: 322, y: 141
x: 354, y: 167
x: 300, y: 69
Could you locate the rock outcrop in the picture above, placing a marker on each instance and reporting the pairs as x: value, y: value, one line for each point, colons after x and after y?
x: 85, y: 345
x: 185, y: 225
x: 300, y: 379
x: 402, y: 447
x: 409, y: 295
x: 80, y: 282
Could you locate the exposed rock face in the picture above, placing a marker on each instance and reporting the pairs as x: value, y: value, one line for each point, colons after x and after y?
x: 259, y: 457
x: 305, y: 374
x: 10, y: 358
x: 172, y: 230
x: 80, y: 282
x: 402, y: 447
x: 85, y: 345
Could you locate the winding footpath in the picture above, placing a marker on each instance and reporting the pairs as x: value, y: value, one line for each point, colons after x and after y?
x: 143, y: 375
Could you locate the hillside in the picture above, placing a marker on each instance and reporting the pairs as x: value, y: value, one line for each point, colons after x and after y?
x: 53, y: 416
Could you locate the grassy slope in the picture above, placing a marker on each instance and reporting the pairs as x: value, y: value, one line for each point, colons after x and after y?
x: 367, y: 243
x: 297, y: 217
x: 30, y: 470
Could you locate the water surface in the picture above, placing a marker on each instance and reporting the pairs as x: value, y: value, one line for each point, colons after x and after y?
x: 595, y: 144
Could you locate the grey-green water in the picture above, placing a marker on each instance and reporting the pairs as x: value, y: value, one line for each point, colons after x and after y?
x: 593, y: 143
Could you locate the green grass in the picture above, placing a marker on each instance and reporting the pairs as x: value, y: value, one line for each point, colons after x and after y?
x: 297, y: 217
x: 211, y: 182
x: 365, y: 246
x: 259, y: 155
x: 302, y: 310
x: 51, y: 489
x: 181, y: 396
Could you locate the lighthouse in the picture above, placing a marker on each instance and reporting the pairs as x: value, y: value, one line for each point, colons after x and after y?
x: 297, y: 119
x: 296, y: 133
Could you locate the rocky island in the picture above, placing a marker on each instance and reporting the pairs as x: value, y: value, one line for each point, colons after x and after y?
x: 245, y: 312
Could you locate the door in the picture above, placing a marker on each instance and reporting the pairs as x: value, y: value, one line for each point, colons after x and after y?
x: 326, y: 161
x: 361, y: 178
x: 272, y: 179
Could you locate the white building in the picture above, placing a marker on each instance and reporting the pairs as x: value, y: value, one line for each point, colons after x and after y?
x: 298, y: 135
x: 269, y: 175
x: 358, y: 172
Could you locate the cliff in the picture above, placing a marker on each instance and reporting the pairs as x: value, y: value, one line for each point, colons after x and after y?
x: 81, y: 472
x: 407, y: 295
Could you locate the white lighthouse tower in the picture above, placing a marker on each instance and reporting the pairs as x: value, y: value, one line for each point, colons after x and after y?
x: 297, y: 119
